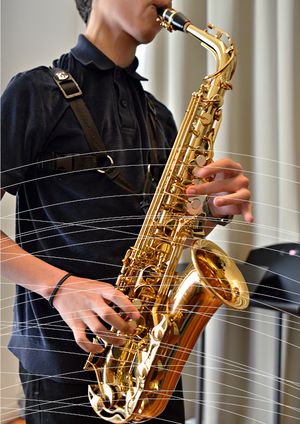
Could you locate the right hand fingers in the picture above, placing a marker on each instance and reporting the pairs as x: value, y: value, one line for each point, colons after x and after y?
x: 80, y: 303
x: 99, y: 330
x: 108, y: 315
x: 79, y: 330
x: 119, y: 299
x: 78, y: 327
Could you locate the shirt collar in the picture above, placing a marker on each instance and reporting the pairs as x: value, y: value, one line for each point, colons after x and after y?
x: 88, y: 55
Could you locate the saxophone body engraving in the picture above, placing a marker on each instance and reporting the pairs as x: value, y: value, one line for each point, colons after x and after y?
x: 135, y: 382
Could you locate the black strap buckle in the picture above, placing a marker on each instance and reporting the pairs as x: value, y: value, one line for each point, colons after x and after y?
x: 67, y: 84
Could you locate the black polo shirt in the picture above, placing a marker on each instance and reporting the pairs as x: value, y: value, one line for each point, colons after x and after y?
x: 81, y: 222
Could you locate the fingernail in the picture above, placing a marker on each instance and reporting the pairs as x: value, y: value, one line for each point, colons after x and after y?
x: 191, y: 191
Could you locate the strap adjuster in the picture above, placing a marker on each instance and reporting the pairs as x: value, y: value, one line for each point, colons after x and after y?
x: 105, y: 170
x: 67, y: 84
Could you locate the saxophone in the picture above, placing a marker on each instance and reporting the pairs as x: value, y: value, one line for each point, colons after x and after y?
x: 135, y: 381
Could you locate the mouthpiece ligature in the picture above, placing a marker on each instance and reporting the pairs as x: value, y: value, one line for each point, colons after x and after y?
x: 172, y: 20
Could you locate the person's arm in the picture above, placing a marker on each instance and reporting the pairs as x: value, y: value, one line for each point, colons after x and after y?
x: 79, y: 301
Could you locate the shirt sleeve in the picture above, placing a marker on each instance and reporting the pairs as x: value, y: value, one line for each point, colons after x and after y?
x: 22, y: 129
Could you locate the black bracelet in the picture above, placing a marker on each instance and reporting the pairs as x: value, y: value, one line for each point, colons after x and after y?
x: 56, y: 288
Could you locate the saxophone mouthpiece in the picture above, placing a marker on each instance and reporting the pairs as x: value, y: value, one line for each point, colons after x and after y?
x: 172, y: 20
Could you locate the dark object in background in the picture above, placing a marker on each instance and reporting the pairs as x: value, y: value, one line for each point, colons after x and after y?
x: 273, y: 275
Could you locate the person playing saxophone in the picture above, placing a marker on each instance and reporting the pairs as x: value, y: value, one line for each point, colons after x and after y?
x: 73, y: 228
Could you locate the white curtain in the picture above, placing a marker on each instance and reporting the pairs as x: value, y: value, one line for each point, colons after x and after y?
x: 260, y: 129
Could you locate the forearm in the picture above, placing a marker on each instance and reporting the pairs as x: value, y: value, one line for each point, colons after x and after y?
x: 21, y: 267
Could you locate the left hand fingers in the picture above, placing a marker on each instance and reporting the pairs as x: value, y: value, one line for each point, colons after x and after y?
x: 224, y: 166
x: 229, y: 185
x: 237, y: 203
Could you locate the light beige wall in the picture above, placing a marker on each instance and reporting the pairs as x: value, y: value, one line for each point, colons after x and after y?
x: 33, y: 32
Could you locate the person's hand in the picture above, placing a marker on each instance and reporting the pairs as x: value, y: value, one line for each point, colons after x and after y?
x: 81, y: 302
x: 227, y: 189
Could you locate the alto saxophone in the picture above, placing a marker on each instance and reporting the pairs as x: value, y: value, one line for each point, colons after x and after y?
x: 135, y: 381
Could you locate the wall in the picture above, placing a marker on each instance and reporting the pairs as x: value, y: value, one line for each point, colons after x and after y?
x: 33, y: 32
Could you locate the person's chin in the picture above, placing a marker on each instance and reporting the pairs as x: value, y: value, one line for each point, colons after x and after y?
x: 148, y: 36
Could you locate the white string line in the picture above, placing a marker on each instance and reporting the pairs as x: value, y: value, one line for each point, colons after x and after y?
x: 245, y: 369
x: 243, y: 381
x: 166, y: 149
x: 123, y: 166
x: 283, y: 291
x: 56, y: 327
x: 52, y: 410
x: 116, y: 196
x: 40, y: 255
x: 277, y: 309
x: 36, y: 409
x: 135, y: 217
x: 186, y: 349
x: 239, y: 316
x: 163, y: 149
x: 260, y: 158
x: 180, y: 349
x: 138, y: 225
x: 274, y: 308
x: 275, y: 273
x: 62, y: 225
x: 114, y: 228
x: 167, y: 421
x: 260, y: 226
x: 258, y: 397
x: 66, y: 402
x: 204, y: 403
x: 207, y: 403
x: 87, y: 225
x: 291, y: 387
x: 237, y: 367
x: 6, y: 188
x: 238, y: 313
x: 120, y: 239
x: 106, y: 333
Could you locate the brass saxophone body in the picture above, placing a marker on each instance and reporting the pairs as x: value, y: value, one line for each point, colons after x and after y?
x: 135, y: 382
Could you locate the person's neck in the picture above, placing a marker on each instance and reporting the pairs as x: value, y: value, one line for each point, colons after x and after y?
x: 119, y: 48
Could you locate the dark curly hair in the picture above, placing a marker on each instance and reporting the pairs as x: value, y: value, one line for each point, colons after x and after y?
x: 84, y: 8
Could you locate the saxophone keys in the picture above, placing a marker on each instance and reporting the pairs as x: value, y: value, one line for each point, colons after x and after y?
x: 205, y: 118
x: 201, y: 160
x: 218, y: 115
x: 137, y: 303
x: 194, y: 207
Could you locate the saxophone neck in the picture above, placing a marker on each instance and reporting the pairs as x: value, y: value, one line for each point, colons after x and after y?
x: 218, y: 42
